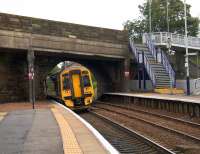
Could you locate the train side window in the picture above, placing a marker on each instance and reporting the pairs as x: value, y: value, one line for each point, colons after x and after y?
x: 86, y: 81
x: 66, y: 83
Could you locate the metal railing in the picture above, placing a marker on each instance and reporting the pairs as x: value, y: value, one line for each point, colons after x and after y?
x: 145, y: 61
x: 164, y: 60
x: 168, y: 68
x: 149, y: 43
x: 163, y: 38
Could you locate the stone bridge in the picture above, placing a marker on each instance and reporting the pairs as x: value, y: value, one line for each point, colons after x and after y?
x: 104, y: 51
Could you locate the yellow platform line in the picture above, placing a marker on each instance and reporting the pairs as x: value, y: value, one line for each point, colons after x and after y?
x: 70, y: 144
x: 2, y: 115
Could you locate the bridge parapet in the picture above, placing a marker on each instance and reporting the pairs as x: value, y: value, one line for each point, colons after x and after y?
x: 55, y: 28
x: 177, y: 40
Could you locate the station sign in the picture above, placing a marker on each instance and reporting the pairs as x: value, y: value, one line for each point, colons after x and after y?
x: 30, y: 76
x: 126, y: 73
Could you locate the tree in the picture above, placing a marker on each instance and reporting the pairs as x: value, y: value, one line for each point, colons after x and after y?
x: 159, y: 19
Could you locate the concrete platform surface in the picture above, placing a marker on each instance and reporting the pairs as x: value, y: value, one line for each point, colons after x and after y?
x: 49, y: 129
x: 30, y: 131
x: 177, y: 97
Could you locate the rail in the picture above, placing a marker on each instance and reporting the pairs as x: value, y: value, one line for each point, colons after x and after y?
x: 164, y: 60
x: 141, y: 143
x: 145, y: 61
x: 163, y: 38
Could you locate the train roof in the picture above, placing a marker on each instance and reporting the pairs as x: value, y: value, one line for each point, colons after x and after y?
x: 71, y: 67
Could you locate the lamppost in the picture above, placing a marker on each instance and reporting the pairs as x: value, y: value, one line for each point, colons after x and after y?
x: 167, y: 6
x: 31, y: 73
x: 186, y: 52
x: 150, y: 1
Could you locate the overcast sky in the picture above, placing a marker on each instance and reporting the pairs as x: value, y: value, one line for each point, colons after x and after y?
x: 101, y: 13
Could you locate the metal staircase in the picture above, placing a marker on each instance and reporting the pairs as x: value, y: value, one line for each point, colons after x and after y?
x: 155, y: 63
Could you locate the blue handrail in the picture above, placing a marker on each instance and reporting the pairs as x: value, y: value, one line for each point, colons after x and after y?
x: 150, y: 45
x: 146, y: 62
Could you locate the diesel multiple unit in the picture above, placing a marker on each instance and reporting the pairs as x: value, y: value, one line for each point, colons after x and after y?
x: 72, y: 86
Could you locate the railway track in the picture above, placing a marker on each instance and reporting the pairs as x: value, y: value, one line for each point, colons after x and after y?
x: 122, y: 138
x: 132, y: 108
x: 188, y: 134
x: 182, y: 127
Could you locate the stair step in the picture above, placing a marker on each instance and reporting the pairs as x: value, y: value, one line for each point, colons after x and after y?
x: 143, y: 49
x: 163, y: 81
x: 157, y: 64
x: 161, y: 74
x: 151, y: 58
x: 159, y: 71
x: 162, y: 85
x: 158, y: 67
x: 140, y: 45
x: 163, y: 78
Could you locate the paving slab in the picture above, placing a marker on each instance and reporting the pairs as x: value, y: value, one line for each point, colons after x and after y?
x: 30, y: 131
x: 49, y: 129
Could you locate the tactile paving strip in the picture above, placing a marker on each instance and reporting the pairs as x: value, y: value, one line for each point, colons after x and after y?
x: 70, y: 144
x: 2, y: 114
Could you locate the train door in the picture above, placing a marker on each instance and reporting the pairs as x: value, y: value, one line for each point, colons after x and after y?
x: 76, y: 80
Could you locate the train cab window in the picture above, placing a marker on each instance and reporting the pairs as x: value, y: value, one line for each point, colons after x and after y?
x: 86, y: 81
x: 66, y: 82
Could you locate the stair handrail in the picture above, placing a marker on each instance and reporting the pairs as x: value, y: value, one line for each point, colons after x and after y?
x: 148, y: 41
x: 146, y: 62
x: 168, y: 67
x: 165, y: 62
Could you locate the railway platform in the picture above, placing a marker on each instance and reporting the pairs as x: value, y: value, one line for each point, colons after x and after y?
x: 49, y: 128
x: 178, y: 103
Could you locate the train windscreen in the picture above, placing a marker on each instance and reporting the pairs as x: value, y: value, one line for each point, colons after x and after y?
x: 86, y: 81
x: 66, y: 82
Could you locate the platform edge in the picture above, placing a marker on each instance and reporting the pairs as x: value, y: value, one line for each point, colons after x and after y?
x: 99, y: 137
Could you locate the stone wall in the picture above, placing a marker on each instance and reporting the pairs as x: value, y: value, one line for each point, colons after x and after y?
x: 13, y: 79
x: 55, y: 28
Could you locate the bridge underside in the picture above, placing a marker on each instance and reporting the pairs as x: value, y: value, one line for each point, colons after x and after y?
x: 14, y: 83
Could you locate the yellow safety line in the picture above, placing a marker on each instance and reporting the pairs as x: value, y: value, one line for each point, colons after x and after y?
x: 2, y: 114
x: 70, y: 144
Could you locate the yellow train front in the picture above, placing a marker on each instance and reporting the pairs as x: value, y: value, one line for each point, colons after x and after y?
x: 74, y: 87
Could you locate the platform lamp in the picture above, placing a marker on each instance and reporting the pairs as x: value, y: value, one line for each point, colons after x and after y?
x: 31, y: 58
x: 150, y: 29
x: 186, y: 52
x: 167, y: 19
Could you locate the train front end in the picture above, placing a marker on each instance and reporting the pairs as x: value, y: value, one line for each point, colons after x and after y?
x: 77, y: 89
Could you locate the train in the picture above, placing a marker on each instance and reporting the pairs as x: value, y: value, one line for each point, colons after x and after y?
x: 71, y: 86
